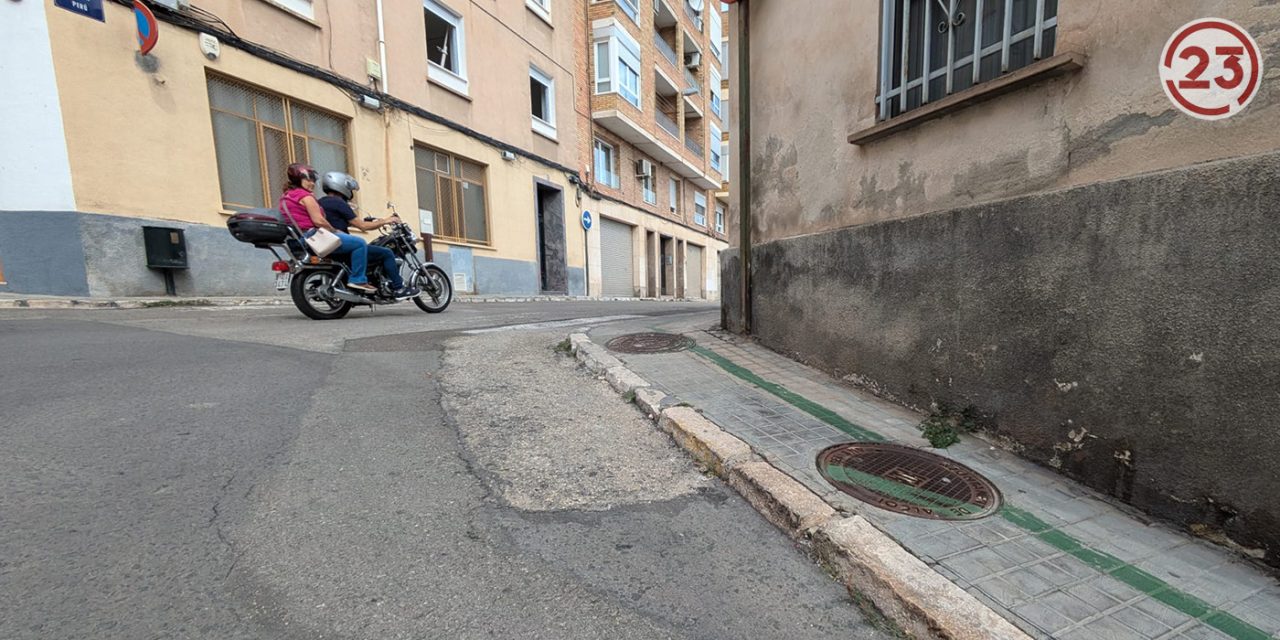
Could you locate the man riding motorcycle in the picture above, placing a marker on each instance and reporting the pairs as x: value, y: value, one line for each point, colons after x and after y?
x: 340, y: 189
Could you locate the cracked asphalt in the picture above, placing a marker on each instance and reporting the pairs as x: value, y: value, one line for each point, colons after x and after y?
x: 164, y: 476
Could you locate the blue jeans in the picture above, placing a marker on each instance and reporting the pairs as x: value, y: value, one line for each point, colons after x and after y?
x: 359, y: 256
x: 388, y: 259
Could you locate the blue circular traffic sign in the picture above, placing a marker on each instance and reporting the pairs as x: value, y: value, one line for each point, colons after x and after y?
x: 586, y: 220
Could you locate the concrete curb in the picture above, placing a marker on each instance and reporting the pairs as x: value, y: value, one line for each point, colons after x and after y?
x: 903, y: 587
x: 53, y: 302
x: 134, y: 303
x: 866, y: 560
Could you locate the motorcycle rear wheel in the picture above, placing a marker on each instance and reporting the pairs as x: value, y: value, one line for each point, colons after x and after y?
x: 432, y: 278
x: 305, y: 289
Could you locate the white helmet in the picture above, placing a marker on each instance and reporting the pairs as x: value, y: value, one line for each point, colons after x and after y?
x: 339, y: 183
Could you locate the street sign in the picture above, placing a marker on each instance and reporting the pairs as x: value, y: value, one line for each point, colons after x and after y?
x: 148, y: 30
x: 90, y: 8
x: 426, y: 221
x: 586, y: 220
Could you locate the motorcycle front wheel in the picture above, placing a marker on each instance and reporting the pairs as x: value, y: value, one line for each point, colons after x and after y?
x: 437, y: 291
x: 306, y: 288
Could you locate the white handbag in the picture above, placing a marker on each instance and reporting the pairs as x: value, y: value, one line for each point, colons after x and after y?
x: 323, y: 242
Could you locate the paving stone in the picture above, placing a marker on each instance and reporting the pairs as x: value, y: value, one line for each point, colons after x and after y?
x: 1204, y: 632
x: 1105, y: 628
x: 1143, y: 623
x: 1028, y: 582
x: 977, y: 564
x: 1166, y: 614
x: 1097, y: 598
x: 1043, y: 617
x: 1023, y: 552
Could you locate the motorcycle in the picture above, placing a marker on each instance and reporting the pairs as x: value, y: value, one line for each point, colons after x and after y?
x: 318, y: 285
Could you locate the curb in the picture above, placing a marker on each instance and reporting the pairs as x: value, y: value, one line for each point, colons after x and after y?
x: 134, y: 303
x: 42, y: 302
x: 867, y: 561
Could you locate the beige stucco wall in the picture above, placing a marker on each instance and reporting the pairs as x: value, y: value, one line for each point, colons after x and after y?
x: 140, y: 143
x: 644, y: 222
x: 1110, y: 120
x: 502, y: 40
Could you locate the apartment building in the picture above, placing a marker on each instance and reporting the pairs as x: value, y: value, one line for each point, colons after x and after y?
x: 654, y: 140
x: 462, y: 116
x: 994, y: 205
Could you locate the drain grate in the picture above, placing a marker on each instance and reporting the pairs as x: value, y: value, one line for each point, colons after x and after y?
x: 649, y: 343
x: 909, y: 481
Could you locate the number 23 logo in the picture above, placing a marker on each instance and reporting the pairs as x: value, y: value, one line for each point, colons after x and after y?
x: 1231, y: 63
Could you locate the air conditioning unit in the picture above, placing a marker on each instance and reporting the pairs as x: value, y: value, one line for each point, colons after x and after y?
x: 644, y: 168
x: 693, y: 59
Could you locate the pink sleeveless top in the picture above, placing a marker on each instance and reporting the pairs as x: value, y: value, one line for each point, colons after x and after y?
x: 291, y: 205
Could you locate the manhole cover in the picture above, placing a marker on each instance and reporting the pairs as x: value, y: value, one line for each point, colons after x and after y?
x: 649, y: 343
x: 909, y: 481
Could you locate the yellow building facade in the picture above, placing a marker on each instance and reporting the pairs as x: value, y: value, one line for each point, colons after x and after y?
x: 461, y: 119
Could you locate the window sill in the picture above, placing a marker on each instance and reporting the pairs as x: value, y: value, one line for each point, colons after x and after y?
x: 300, y: 16
x: 461, y: 243
x: 540, y: 12
x: 448, y: 80
x: 545, y: 130
x: 1058, y: 65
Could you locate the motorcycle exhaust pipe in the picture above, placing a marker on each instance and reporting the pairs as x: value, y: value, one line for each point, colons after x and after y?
x: 349, y: 296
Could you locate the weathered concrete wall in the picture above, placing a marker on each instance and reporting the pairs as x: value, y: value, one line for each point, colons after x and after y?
x: 1140, y: 313
x: 1108, y: 121
x: 41, y: 252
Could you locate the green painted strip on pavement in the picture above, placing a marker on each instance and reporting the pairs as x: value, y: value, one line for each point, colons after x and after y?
x: 798, y: 401
x: 906, y: 493
x: 1141, y: 580
x: 1104, y: 562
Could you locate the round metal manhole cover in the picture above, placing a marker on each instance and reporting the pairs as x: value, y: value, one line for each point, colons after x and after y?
x: 909, y: 481
x: 649, y: 343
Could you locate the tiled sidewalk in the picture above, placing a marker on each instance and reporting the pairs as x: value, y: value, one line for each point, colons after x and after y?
x: 1056, y: 560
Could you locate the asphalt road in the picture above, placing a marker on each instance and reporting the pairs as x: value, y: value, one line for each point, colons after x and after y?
x: 245, y: 473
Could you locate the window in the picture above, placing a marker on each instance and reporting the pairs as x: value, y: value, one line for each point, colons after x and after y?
x: 700, y: 208
x: 724, y: 161
x: 542, y: 102
x: 257, y: 134
x: 673, y: 195
x: 716, y: 103
x: 540, y: 8
x: 715, y: 146
x: 631, y: 8
x: 942, y: 63
x: 454, y: 190
x: 606, y: 163
x: 717, y: 34
x: 646, y: 186
x: 446, y: 46
x: 300, y: 7
x: 617, y: 62
x: 719, y: 218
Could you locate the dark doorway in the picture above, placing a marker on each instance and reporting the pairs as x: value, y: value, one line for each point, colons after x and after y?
x: 667, y: 264
x: 552, y: 265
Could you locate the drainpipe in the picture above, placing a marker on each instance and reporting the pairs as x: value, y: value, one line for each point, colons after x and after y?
x: 743, y: 181
x: 382, y: 47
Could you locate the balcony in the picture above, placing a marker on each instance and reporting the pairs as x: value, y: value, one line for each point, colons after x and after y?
x: 664, y: 48
x: 692, y: 80
x: 693, y: 145
x: 659, y: 148
x: 667, y: 123
x: 693, y: 15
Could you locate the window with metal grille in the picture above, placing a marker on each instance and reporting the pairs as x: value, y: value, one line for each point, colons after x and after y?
x: 257, y: 134
x: 933, y: 48
x: 453, y: 189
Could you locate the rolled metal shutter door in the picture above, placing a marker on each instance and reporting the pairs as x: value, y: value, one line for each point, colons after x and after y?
x: 616, y: 258
x: 695, y: 283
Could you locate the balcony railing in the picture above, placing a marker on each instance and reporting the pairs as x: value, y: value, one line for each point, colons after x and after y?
x: 697, y: 17
x: 693, y: 145
x: 664, y: 48
x: 692, y: 80
x: 667, y: 124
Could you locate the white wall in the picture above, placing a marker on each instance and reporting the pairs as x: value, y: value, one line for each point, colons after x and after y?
x: 35, y: 174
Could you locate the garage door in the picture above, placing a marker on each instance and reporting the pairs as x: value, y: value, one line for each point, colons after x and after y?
x: 616, y: 259
x: 694, y: 261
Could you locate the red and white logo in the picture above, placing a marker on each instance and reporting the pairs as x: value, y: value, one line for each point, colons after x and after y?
x: 1211, y: 68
